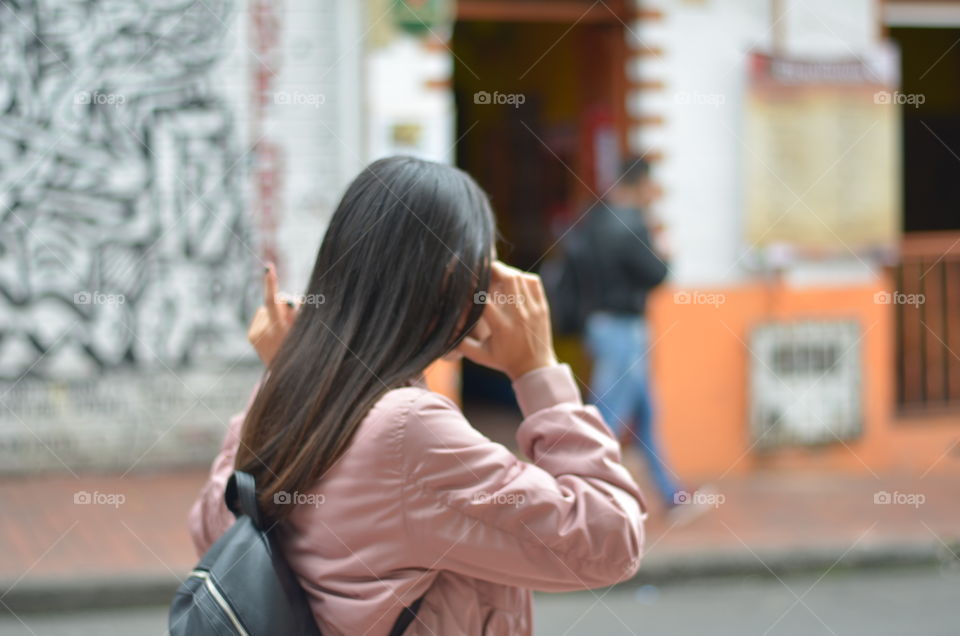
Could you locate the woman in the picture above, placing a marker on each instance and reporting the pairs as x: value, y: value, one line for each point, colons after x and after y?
x: 381, y: 490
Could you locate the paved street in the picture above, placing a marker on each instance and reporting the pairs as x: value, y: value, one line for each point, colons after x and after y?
x: 916, y: 602
x: 888, y: 603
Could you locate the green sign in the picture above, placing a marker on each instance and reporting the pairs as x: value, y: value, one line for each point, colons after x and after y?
x: 420, y: 16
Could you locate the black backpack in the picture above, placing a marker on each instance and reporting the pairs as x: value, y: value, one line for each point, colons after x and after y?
x: 243, y: 585
x: 567, y: 287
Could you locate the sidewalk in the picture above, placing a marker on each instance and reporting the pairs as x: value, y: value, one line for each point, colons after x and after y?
x: 771, y: 523
x: 61, y: 554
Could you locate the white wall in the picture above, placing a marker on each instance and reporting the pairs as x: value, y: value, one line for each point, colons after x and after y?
x: 398, y: 95
x: 322, y: 138
x: 705, y: 48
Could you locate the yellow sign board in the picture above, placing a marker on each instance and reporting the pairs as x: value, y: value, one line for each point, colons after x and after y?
x: 822, y: 156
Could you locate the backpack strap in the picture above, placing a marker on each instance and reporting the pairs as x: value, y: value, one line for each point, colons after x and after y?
x: 407, y: 614
x: 241, y: 496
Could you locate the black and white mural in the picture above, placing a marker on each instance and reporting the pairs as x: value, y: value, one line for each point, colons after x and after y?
x: 124, y: 238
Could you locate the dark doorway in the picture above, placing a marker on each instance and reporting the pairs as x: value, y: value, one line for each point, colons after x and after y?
x: 931, y: 130
x: 541, y: 120
x: 540, y: 109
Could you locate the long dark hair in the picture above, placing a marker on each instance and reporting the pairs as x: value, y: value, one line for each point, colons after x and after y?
x: 392, y: 290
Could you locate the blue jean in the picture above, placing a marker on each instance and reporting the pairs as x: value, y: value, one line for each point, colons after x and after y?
x: 621, y: 387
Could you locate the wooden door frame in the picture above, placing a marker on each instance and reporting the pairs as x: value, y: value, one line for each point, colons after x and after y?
x: 573, y: 11
x: 614, y: 13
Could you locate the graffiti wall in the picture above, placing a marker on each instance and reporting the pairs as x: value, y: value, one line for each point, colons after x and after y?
x: 124, y: 237
x: 145, y: 176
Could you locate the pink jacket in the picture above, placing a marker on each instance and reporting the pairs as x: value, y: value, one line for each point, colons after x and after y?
x: 423, y: 504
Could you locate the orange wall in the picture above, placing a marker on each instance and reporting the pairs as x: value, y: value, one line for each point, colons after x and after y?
x: 700, y: 370
x: 701, y: 363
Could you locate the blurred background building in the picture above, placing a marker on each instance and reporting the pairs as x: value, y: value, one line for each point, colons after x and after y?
x: 154, y: 155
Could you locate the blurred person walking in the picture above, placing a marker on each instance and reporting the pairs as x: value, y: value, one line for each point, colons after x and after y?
x: 609, y: 268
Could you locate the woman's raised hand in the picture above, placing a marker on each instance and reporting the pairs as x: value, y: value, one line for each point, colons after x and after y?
x: 272, y: 320
x: 514, y: 334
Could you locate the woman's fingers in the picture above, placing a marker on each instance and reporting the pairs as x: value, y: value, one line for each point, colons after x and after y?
x: 257, y: 326
x: 504, y: 278
x: 481, y: 330
x: 273, y: 319
x: 495, y: 314
x: 518, y: 324
x: 516, y: 286
x: 470, y: 346
x: 535, y: 296
x: 270, y: 296
x: 476, y: 351
x: 288, y: 309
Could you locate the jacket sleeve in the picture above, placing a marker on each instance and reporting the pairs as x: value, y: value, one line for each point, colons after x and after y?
x: 571, y: 518
x: 209, y: 517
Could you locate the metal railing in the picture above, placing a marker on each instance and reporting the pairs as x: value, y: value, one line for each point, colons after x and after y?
x: 927, y: 312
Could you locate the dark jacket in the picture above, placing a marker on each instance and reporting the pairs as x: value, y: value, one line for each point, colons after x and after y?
x: 621, y: 267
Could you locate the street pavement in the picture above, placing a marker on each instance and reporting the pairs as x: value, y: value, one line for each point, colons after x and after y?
x: 913, y: 602
x: 888, y: 602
